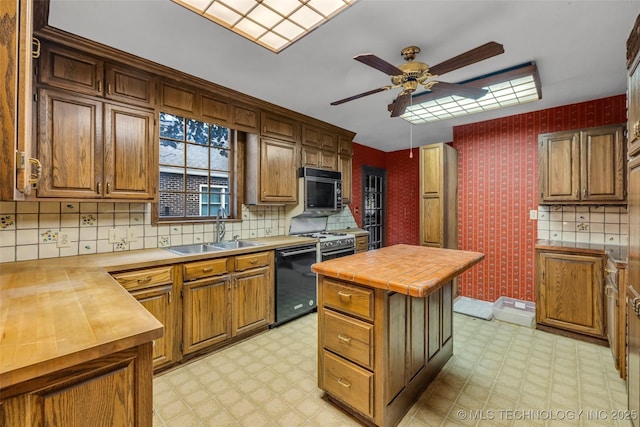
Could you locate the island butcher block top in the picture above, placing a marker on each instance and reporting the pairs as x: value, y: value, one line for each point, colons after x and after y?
x: 411, y: 270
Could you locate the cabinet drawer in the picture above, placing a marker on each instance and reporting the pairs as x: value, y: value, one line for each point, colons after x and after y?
x: 361, y: 243
x: 349, y: 299
x: 244, y: 262
x: 141, y: 279
x: 208, y: 268
x: 348, y: 382
x: 349, y: 337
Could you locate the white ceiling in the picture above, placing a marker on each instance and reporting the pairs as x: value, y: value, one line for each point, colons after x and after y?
x: 579, y: 47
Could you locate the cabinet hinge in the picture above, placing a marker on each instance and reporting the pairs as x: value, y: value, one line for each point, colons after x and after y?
x: 181, y: 293
x: 181, y: 347
x: 35, y: 97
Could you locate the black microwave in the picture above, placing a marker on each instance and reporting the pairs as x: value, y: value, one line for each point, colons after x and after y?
x: 322, y: 191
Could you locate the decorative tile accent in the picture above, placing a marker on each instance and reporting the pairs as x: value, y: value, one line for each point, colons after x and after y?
x: 49, y: 236
x: 88, y: 219
x: 164, y: 241
x: 581, y: 226
x: 7, y: 222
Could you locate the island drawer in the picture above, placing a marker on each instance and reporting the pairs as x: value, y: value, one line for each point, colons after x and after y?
x: 245, y: 262
x: 141, y: 279
x: 349, y: 337
x: 208, y: 268
x: 348, y: 382
x: 349, y: 299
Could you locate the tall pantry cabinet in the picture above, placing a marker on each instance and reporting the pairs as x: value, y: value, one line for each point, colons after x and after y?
x: 633, y: 287
x: 439, y: 196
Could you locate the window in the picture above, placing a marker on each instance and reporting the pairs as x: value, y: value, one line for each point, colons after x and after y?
x: 195, y: 169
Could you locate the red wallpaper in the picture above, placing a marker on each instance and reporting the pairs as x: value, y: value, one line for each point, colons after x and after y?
x: 402, y: 191
x: 497, y: 186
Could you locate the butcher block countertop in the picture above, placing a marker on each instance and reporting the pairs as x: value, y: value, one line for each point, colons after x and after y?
x: 411, y: 270
x: 56, y: 313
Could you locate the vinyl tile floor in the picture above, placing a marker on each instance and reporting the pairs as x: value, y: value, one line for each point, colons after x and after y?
x: 500, y: 374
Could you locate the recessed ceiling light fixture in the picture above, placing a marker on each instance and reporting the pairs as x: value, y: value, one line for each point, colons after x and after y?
x: 512, y: 86
x: 273, y: 24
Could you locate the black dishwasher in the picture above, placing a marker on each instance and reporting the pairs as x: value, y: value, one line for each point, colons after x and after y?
x: 296, y: 292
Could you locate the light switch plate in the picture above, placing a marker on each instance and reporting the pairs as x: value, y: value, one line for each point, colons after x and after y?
x: 63, y: 240
x: 533, y: 214
x: 113, y: 235
x: 131, y: 235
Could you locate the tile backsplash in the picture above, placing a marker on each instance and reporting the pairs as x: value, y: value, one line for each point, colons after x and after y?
x: 32, y: 230
x: 592, y: 224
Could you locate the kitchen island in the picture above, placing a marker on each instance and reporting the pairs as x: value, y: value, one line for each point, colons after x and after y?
x: 385, y: 326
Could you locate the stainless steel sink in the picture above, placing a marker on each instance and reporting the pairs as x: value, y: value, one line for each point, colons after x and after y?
x: 199, y: 248
x: 202, y: 248
x: 236, y: 244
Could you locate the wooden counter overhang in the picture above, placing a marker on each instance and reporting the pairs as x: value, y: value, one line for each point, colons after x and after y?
x: 57, y: 313
x: 411, y: 270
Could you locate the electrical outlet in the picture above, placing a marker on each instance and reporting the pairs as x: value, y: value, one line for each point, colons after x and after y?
x: 63, y: 240
x: 533, y: 214
x: 114, y: 235
x: 131, y: 235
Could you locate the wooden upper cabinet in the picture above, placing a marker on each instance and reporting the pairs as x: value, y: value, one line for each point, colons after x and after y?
x: 559, y: 164
x: 216, y: 110
x: 82, y: 158
x: 178, y: 99
x: 70, y: 69
x: 79, y: 72
x: 245, y: 118
x: 582, y: 166
x: 320, y: 138
x: 633, y: 113
x: 280, y: 127
x: 345, y: 145
x: 130, y: 153
x: 129, y: 85
x: 278, y: 171
x: 344, y: 166
x: 69, y: 145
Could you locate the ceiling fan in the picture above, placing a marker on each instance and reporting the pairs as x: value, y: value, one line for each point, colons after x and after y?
x: 413, y: 73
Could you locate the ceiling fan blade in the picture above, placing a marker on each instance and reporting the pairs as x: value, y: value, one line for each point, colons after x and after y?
x: 465, y: 91
x: 478, y: 54
x: 360, y: 95
x: 400, y: 104
x: 379, y: 64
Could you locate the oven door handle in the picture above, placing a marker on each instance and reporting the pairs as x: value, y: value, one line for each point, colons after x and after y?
x: 298, y: 252
x: 339, y: 251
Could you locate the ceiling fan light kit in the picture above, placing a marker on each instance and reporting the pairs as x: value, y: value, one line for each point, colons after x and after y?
x: 412, y: 74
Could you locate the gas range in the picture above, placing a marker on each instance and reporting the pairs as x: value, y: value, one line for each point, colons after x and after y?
x: 328, y: 240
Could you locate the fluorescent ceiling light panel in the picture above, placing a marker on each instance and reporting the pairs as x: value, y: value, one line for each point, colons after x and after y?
x: 273, y: 24
x: 513, y: 86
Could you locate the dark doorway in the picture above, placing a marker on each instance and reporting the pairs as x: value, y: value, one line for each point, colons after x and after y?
x: 374, y: 185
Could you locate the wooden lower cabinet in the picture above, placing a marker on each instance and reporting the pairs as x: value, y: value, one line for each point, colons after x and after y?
x: 362, y: 243
x: 156, y: 289
x: 379, y: 350
x: 251, y: 300
x: 113, y: 390
x: 570, y: 292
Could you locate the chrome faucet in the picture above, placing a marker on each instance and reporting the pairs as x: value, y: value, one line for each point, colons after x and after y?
x: 220, y: 228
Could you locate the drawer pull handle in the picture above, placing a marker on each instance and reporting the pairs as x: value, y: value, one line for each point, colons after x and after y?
x: 636, y: 129
x: 253, y: 261
x: 344, y: 339
x: 343, y: 383
x: 344, y: 295
x: 207, y: 269
x: 145, y: 280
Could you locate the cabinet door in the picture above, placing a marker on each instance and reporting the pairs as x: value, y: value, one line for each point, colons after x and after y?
x: 633, y: 93
x: 559, y: 167
x: 344, y: 166
x: 251, y: 300
x: 431, y: 170
x: 431, y: 222
x: 280, y: 127
x: 602, y: 170
x: 72, y: 70
x: 130, y: 154
x: 69, y: 145
x: 278, y: 172
x: 159, y: 302
x: 129, y: 85
x: 570, y: 292
x: 205, y: 313
x: 309, y: 156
